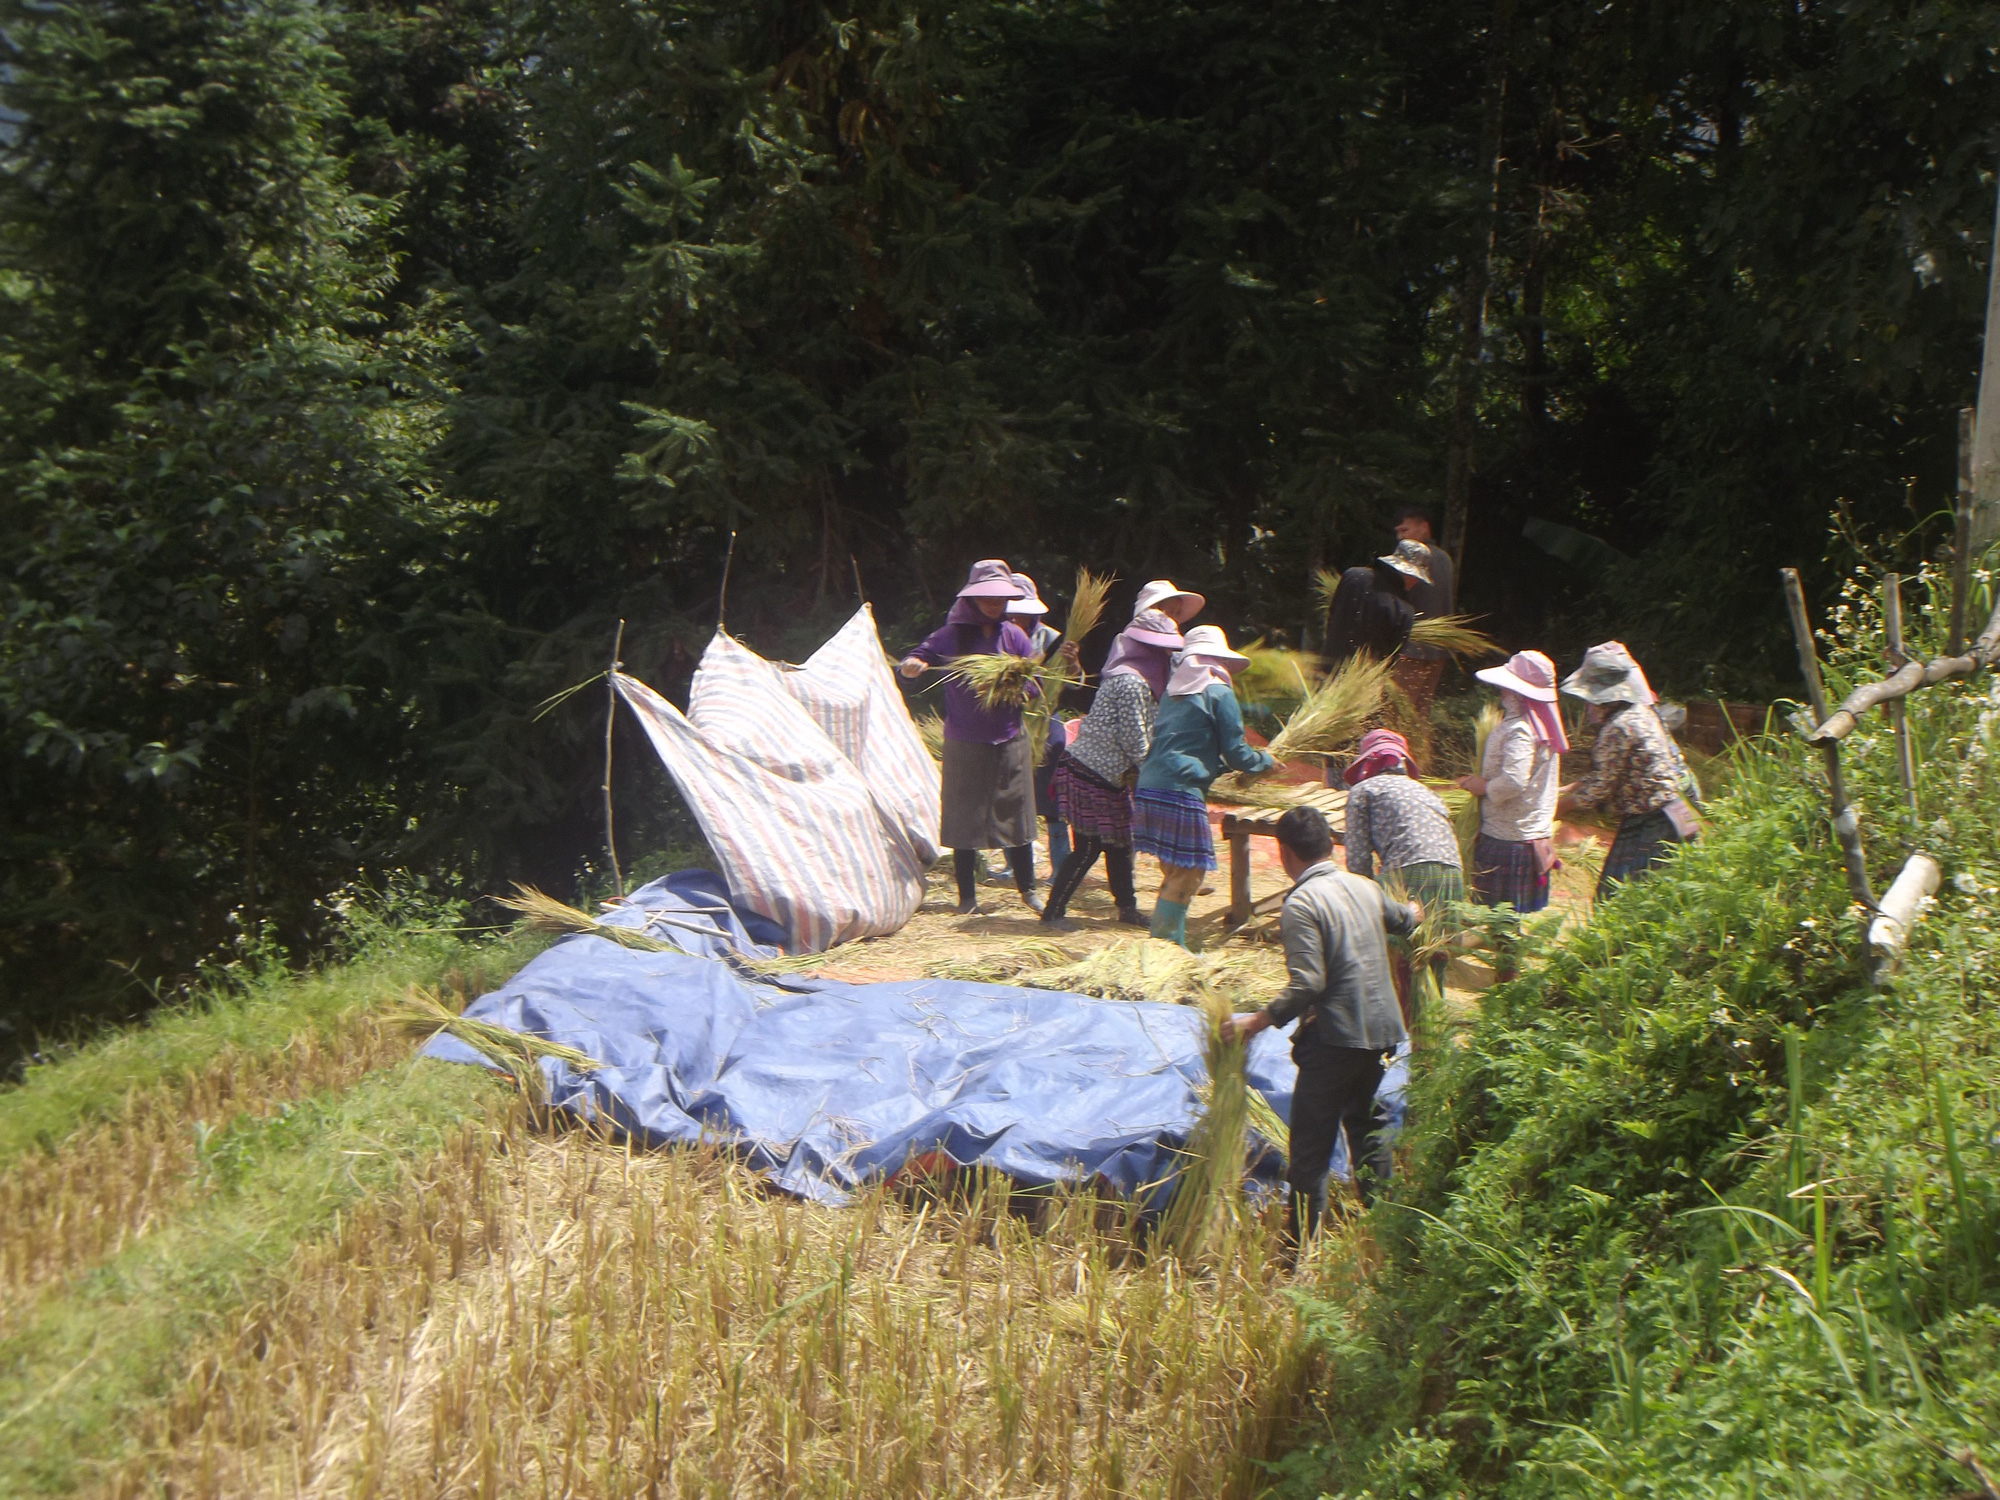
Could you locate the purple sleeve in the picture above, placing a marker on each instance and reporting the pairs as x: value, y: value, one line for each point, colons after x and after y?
x: 936, y: 648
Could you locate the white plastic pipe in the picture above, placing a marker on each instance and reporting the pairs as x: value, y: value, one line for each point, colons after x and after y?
x: 1917, y: 881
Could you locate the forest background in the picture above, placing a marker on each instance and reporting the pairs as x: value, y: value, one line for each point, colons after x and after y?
x: 362, y: 364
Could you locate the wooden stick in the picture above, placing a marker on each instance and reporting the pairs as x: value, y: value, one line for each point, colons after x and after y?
x: 610, y: 720
x: 722, y: 596
x: 1846, y: 826
x: 1961, y: 534
x: 1899, y: 719
x: 860, y: 598
x: 1906, y: 680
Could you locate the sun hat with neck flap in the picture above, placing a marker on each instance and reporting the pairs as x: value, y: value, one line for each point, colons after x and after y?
x: 990, y: 578
x: 1609, y: 674
x: 1207, y: 660
x: 1177, y: 604
x: 1531, y: 676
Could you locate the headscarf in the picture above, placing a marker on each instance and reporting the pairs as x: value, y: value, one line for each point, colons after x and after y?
x: 1145, y: 649
x: 1380, y: 750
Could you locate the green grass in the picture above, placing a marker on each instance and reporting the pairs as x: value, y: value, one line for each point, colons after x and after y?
x: 78, y: 1379
x: 1693, y: 1210
x: 90, y: 1083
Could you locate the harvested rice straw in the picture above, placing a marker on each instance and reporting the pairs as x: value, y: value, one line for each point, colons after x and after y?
x: 930, y: 729
x: 1326, y: 583
x: 514, y: 1053
x: 998, y: 679
x: 1453, y: 633
x: 1275, y: 675
x: 1465, y: 816
x: 1251, y: 791
x: 1208, y: 1190
x: 1264, y: 1121
x: 1086, y: 605
x: 543, y: 913
x: 1003, y: 964
x: 1337, y: 712
x: 1143, y: 969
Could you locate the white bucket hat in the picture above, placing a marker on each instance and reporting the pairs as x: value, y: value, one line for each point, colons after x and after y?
x: 1528, y: 673
x: 1030, y: 602
x: 1210, y: 644
x: 1177, y: 604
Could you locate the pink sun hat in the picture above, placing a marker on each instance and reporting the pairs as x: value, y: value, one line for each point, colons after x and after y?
x: 1379, y: 748
x: 990, y: 578
x: 1528, y: 673
x: 1150, y: 627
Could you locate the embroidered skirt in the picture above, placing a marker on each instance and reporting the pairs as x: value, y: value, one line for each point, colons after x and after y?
x: 1508, y: 872
x: 1640, y: 841
x: 1092, y: 806
x: 989, y: 795
x: 1173, y: 828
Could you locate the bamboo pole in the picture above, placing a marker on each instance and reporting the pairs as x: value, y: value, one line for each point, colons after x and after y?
x: 610, y: 722
x: 1906, y: 680
x: 1846, y: 825
x: 1899, y: 719
x: 1961, y: 534
x: 1901, y: 904
x: 722, y: 595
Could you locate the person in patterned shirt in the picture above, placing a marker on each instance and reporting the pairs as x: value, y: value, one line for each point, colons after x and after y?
x: 1394, y: 818
x: 1636, y: 768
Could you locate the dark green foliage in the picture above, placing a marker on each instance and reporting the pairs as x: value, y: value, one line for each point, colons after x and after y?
x: 361, y: 364
x: 1693, y: 1210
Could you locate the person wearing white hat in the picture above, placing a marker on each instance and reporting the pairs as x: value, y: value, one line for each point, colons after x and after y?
x: 1637, y: 770
x: 1198, y: 734
x: 989, y: 770
x: 1518, y: 783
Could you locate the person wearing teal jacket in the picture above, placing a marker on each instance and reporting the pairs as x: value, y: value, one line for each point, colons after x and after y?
x: 1197, y: 735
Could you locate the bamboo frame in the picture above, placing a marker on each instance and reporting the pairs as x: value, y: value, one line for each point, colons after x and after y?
x: 1846, y: 825
x: 1892, y: 624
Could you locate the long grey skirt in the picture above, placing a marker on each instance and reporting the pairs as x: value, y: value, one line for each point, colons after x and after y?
x: 989, y: 795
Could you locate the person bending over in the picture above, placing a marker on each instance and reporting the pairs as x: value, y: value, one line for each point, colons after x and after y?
x: 1336, y: 930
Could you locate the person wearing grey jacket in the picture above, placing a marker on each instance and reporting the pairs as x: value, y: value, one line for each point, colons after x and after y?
x: 1335, y: 928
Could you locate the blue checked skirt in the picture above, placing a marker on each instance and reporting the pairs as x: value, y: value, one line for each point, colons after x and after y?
x: 1640, y: 841
x: 1173, y: 828
x: 1505, y: 871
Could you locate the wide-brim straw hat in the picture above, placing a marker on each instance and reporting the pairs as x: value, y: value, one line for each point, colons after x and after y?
x: 1151, y: 628
x: 1030, y: 602
x: 1609, y: 674
x: 1413, y: 558
x: 1528, y: 673
x: 1210, y: 644
x: 1176, y: 604
x: 990, y: 578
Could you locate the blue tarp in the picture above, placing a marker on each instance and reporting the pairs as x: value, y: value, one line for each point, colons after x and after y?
x: 824, y: 1085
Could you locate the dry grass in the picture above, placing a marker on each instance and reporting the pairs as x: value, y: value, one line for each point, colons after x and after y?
x: 1086, y: 604
x: 560, y: 1317
x: 109, y: 1184
x: 1337, y: 713
x: 997, y: 678
x: 1150, y: 969
x: 543, y: 913
x: 930, y: 729
x: 1453, y: 633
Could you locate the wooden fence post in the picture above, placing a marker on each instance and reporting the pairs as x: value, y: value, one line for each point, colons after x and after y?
x: 1892, y: 629
x: 1846, y: 826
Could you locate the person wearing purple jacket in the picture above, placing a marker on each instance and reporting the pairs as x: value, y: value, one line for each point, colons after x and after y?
x: 989, y: 771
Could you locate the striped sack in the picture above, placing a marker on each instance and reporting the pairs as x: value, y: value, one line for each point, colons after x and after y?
x: 810, y: 783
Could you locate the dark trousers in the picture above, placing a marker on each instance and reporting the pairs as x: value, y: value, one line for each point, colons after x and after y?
x: 1335, y: 1092
x: 965, y: 865
x: 1117, y: 872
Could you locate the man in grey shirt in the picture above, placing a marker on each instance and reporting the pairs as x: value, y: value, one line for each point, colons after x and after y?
x: 1335, y: 928
x: 1432, y: 599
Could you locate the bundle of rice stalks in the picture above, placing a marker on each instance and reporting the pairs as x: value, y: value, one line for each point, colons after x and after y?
x: 1149, y: 969
x: 1086, y: 604
x: 1337, y: 712
x: 1465, y: 815
x: 1003, y: 964
x: 1275, y: 676
x: 1325, y: 583
x: 1453, y: 633
x: 514, y: 1053
x: 930, y: 729
x: 543, y: 913
x: 1207, y: 1191
x: 1252, y: 791
x: 1263, y: 1119
x: 997, y: 679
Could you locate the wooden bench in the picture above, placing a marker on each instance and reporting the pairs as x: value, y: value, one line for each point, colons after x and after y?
x: 1239, y: 825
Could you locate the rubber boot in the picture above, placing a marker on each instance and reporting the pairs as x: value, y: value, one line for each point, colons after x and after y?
x: 965, y: 865
x: 1118, y: 875
x: 1021, y: 860
x: 1170, y: 921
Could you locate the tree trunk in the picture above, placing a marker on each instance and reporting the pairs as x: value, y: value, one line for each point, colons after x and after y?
x: 1478, y: 278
